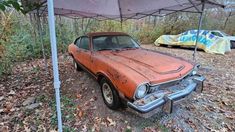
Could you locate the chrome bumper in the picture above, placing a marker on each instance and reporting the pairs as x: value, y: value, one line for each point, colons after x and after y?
x: 156, y: 99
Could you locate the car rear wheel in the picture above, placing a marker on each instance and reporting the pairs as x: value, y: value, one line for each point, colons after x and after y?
x: 76, y: 66
x: 109, y: 94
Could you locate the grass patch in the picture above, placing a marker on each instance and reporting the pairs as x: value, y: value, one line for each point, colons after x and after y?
x: 68, y: 109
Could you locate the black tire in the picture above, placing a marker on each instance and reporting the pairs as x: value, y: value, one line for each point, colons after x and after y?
x: 116, y: 102
x: 76, y: 66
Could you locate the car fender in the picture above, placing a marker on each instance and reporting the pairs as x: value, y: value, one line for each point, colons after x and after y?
x: 103, y: 74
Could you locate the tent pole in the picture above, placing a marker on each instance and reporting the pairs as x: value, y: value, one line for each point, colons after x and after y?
x: 51, y: 20
x: 198, y: 30
x: 120, y: 12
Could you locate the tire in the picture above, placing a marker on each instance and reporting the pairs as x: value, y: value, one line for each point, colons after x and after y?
x: 109, y: 94
x: 76, y: 66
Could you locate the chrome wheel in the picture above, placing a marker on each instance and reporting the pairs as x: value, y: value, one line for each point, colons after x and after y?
x: 107, y: 92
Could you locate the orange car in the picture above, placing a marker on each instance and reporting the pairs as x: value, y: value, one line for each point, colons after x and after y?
x: 128, y: 74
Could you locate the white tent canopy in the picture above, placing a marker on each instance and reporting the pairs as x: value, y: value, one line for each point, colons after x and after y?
x: 110, y: 9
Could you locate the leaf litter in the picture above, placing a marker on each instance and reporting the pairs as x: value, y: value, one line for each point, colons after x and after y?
x: 83, y: 108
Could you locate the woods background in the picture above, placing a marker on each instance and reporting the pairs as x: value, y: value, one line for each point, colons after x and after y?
x: 24, y: 37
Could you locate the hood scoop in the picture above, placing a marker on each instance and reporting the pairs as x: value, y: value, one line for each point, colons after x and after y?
x: 172, y: 70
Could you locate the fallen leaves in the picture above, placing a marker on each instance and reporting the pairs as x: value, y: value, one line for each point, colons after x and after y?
x: 79, y: 96
x: 12, y: 92
x: 111, y: 122
x: 80, y: 114
x: 225, y: 101
x: 84, y: 128
x: 230, y: 115
x: 53, y: 130
x: 1, y: 98
x: 4, y: 129
x: 215, y: 104
x: 8, y: 107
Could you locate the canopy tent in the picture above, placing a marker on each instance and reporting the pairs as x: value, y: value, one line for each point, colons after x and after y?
x: 110, y: 9
x: 124, y: 9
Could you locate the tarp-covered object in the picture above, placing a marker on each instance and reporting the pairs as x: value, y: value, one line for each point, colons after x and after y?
x: 206, y: 41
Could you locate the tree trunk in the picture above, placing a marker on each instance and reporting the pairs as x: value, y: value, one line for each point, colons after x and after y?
x: 154, y: 21
x: 33, y: 32
x: 41, y: 40
x: 62, y: 34
x: 226, y: 20
x: 75, y: 27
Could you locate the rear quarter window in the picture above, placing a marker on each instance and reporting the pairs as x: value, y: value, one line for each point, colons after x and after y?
x: 84, y: 43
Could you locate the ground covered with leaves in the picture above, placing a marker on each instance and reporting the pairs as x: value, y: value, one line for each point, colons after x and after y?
x: 27, y: 101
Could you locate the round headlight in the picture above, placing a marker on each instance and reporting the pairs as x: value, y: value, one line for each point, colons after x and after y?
x: 195, y: 69
x: 194, y: 72
x: 141, y: 91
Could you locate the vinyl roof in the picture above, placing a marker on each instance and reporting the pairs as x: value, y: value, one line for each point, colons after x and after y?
x: 105, y: 33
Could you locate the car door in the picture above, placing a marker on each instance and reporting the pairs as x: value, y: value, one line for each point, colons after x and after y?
x: 83, y: 53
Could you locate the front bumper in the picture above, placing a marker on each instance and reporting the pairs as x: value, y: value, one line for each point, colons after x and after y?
x: 165, y: 97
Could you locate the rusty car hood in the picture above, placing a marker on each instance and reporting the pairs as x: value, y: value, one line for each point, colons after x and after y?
x: 154, y: 66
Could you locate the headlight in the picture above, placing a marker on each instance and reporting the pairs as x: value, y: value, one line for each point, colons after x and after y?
x: 195, y: 69
x: 194, y: 72
x: 141, y: 91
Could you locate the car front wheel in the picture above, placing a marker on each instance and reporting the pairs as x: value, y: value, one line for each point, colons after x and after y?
x: 109, y: 94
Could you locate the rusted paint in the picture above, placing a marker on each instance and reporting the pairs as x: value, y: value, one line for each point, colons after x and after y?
x: 129, y: 68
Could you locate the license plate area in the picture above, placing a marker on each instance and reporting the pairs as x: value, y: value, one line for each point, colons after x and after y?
x: 168, y: 106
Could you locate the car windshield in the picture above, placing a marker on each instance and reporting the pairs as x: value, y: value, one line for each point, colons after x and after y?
x: 111, y: 42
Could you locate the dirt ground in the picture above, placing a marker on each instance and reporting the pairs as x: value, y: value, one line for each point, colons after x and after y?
x: 83, y: 108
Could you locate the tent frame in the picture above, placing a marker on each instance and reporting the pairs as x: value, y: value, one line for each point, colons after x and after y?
x: 51, y: 21
x: 198, y: 29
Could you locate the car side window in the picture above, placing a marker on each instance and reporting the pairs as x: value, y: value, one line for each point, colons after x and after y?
x: 84, y: 43
x: 77, y: 41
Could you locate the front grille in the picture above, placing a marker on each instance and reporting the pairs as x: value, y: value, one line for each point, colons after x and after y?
x: 171, y: 86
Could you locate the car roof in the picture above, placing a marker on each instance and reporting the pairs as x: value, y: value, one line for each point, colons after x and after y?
x: 105, y: 33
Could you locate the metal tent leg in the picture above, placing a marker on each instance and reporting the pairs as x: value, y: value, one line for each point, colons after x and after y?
x: 51, y: 20
x: 198, y: 30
